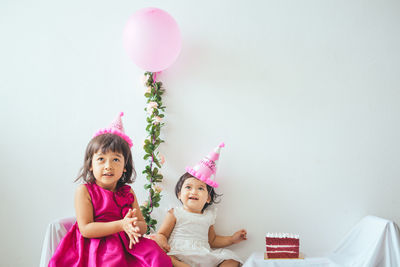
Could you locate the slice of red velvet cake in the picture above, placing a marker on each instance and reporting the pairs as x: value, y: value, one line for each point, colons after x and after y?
x: 282, y: 245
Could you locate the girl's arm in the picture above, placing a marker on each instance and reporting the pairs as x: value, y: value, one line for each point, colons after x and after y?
x: 217, y: 241
x: 165, y: 230
x: 84, y: 217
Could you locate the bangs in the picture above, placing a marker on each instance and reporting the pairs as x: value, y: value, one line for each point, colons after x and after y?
x: 109, y: 142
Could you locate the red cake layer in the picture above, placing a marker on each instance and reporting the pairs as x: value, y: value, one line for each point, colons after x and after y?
x: 280, y: 248
x: 282, y: 255
x: 276, y: 241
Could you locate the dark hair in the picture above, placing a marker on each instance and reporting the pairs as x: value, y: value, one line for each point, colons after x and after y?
x: 211, y: 192
x: 105, y: 143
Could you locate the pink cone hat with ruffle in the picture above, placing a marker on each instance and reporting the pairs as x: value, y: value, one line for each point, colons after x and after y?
x: 117, y: 128
x: 206, y: 168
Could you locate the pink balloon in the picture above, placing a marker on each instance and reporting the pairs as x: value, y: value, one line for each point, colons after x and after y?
x: 152, y: 39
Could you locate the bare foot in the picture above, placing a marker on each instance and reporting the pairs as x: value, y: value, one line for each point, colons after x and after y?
x: 229, y: 263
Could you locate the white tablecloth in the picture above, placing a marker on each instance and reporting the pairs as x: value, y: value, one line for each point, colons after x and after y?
x: 56, y: 230
x: 257, y: 260
x: 373, y: 242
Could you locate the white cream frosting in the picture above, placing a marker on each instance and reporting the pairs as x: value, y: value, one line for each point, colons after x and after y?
x: 282, y: 246
x: 282, y: 235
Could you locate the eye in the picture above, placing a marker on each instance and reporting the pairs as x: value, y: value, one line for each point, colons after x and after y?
x: 100, y: 159
x: 187, y: 187
x: 116, y: 160
x: 201, y: 188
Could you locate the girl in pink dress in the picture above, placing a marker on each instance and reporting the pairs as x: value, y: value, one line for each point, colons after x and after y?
x: 109, y: 226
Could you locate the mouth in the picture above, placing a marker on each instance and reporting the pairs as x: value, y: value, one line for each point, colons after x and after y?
x: 193, y: 198
x: 108, y: 174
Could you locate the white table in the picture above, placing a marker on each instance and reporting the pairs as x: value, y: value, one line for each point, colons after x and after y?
x: 257, y: 260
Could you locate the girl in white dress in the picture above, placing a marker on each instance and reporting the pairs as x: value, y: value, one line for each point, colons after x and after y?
x: 187, y: 233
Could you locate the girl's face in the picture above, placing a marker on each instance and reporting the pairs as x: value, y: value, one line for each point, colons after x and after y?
x: 107, y: 168
x: 194, y: 195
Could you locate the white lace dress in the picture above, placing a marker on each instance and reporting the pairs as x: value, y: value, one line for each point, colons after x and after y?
x: 189, y: 239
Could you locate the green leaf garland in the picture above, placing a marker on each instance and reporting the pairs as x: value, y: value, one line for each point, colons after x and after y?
x: 154, y: 109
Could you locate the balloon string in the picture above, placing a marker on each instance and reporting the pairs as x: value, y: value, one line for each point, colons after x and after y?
x: 155, y: 76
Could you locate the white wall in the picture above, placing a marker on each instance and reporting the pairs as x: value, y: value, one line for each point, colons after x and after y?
x: 305, y: 94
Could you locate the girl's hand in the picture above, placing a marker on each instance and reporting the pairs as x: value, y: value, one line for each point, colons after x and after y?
x: 135, y: 220
x: 239, y: 236
x: 128, y: 225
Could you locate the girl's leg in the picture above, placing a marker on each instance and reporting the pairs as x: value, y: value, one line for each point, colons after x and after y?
x: 178, y: 263
x: 229, y: 263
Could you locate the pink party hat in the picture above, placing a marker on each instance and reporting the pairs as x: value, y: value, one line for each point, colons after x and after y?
x: 206, y: 168
x: 117, y: 128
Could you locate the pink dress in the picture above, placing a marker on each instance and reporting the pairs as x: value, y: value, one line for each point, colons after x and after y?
x: 75, y: 250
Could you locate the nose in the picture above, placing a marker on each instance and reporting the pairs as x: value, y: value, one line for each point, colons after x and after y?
x: 107, y: 166
x: 193, y: 190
